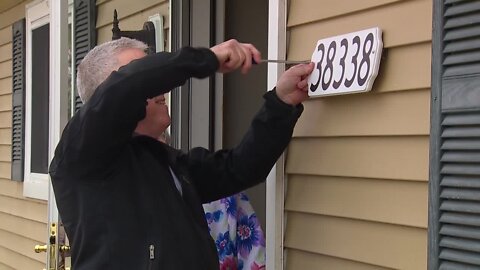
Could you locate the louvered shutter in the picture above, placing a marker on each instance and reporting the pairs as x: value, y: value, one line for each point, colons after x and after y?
x: 18, y: 99
x: 84, y: 35
x: 455, y: 141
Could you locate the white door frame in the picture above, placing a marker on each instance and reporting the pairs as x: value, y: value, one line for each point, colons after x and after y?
x: 58, y: 83
x: 276, y: 179
x: 58, y: 99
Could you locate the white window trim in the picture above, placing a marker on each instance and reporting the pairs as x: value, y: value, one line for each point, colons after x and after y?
x: 35, y: 185
x: 275, y: 198
x: 38, y: 14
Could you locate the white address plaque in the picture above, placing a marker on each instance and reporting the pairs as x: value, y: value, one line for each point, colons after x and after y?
x: 346, y: 64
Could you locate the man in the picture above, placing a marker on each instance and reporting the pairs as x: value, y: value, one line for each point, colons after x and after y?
x: 127, y: 200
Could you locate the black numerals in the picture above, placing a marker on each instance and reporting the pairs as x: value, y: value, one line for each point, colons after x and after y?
x: 332, y: 49
x: 350, y: 68
x: 365, y: 59
x: 343, y: 43
x: 318, y: 67
x: 349, y: 82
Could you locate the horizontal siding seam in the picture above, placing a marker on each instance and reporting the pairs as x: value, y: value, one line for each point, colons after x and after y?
x: 4, y: 265
x: 25, y: 199
x: 355, y: 218
x: 362, y: 220
x: 6, y: 60
x: 296, y: 136
x: 126, y: 17
x: 350, y: 13
x: 336, y: 257
x: 400, y: 45
x: 369, y: 136
x: 10, y: 8
x: 405, y: 90
x: 372, y: 92
x: 23, y: 236
x: 29, y: 219
x: 358, y: 177
x: 101, y: 2
x: 23, y: 255
x: 375, y: 92
x: 3, y: 28
x: 332, y: 256
x: 416, y: 43
x: 22, y: 217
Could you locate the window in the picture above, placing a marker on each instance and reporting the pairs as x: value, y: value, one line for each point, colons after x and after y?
x: 38, y: 99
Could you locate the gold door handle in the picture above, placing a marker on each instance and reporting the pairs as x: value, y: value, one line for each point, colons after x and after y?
x: 64, y: 248
x: 40, y: 248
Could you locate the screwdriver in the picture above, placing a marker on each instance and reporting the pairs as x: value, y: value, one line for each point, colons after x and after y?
x: 288, y: 62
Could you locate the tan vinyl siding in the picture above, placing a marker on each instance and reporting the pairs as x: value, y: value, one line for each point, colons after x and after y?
x: 17, y: 261
x: 22, y: 225
x: 381, y: 244
x: 6, y: 119
x: 6, y: 68
x: 6, y: 85
x: 5, y: 153
x: 5, y: 35
x: 23, y: 221
x: 5, y: 267
x: 392, y: 19
x: 299, y: 259
x: 131, y: 17
x: 357, y: 167
x: 9, y: 16
x: 359, y: 115
x: 368, y: 199
x: 382, y: 157
x: 5, y: 50
x: 303, y: 11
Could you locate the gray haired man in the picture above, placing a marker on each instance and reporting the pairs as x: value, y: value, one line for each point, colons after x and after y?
x: 129, y: 201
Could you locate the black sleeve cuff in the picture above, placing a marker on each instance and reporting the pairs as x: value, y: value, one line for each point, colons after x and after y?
x: 203, y: 62
x: 272, y: 101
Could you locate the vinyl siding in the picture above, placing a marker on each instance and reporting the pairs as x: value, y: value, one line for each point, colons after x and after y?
x: 23, y: 221
x: 131, y: 17
x: 357, y: 167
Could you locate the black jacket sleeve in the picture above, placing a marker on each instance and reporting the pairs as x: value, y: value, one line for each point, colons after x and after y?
x: 220, y: 174
x: 106, y: 122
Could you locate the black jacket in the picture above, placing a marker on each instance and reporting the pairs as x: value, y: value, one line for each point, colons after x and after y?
x: 114, y: 191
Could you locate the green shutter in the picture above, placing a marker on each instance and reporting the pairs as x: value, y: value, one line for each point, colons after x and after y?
x: 18, y: 99
x: 454, y: 223
x: 84, y: 35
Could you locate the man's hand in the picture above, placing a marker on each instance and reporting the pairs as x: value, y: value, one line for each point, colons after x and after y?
x: 292, y: 87
x: 232, y: 54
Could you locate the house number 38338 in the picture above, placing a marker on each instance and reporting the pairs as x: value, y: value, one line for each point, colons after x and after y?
x: 346, y: 64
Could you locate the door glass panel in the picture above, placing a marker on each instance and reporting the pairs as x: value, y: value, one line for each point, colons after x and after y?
x: 40, y: 99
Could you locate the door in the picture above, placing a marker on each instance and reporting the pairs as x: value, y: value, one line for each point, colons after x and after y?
x: 55, y: 37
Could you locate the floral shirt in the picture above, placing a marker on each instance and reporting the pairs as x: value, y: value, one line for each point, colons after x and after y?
x: 237, y: 233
